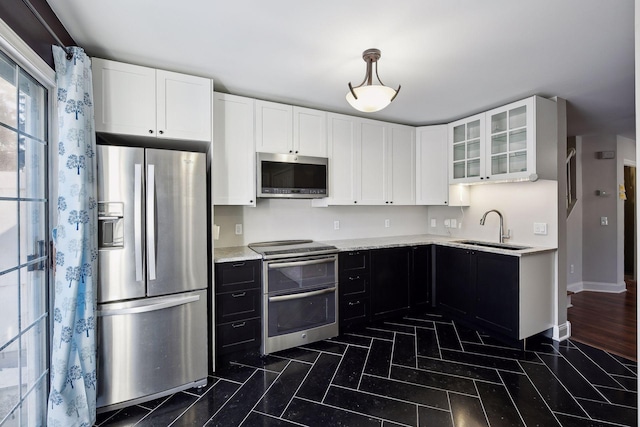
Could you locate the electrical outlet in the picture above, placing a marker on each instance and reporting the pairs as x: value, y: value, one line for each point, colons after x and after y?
x: 454, y: 223
x: 336, y: 225
x: 238, y: 229
x: 387, y: 223
x: 447, y: 223
x: 540, y: 228
x: 460, y: 225
x: 604, y: 220
x: 434, y: 222
x: 571, y: 269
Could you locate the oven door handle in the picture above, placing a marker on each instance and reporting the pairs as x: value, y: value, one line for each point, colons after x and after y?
x: 301, y: 263
x: 302, y: 295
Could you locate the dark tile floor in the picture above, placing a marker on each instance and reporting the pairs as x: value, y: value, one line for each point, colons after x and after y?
x: 416, y: 371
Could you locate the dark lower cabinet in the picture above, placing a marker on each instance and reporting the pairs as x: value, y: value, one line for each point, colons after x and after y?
x: 390, y: 280
x: 421, y: 279
x: 480, y: 288
x: 453, y: 280
x: 238, y: 300
x: 496, y: 292
x: 353, y: 289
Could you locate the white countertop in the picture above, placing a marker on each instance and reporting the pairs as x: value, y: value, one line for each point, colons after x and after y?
x: 243, y: 253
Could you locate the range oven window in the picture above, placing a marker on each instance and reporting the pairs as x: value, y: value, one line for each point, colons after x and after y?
x: 301, y: 311
x: 290, y: 276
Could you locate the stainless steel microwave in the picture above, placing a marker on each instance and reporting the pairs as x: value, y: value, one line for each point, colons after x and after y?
x: 291, y: 176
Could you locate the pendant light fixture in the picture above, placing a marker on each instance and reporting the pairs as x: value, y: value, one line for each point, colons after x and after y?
x: 369, y: 97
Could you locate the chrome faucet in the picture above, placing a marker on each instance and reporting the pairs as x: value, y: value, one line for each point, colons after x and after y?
x: 502, y: 235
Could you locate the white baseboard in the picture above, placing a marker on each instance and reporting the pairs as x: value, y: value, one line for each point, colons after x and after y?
x: 597, y: 287
x: 561, y: 332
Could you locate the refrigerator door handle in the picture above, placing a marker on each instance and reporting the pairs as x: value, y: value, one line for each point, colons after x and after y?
x: 171, y: 302
x: 137, y: 220
x: 151, y: 220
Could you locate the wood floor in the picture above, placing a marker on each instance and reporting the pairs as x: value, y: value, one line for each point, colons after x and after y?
x: 606, y: 321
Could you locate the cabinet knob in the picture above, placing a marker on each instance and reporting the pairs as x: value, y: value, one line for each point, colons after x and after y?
x: 296, y: 151
x: 387, y: 202
x: 355, y: 201
x: 445, y: 202
x: 250, y: 201
x: 150, y: 131
x: 161, y: 132
x: 391, y: 202
x: 482, y: 177
x: 488, y: 177
x: 290, y: 151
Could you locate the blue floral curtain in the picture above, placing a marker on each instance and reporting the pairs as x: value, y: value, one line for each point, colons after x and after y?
x: 72, y: 397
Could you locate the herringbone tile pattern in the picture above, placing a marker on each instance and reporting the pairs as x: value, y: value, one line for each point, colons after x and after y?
x: 416, y: 371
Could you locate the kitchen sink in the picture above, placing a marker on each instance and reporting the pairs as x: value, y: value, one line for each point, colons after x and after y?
x: 493, y: 245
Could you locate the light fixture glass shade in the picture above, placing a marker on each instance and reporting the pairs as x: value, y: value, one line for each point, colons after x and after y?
x: 371, y: 98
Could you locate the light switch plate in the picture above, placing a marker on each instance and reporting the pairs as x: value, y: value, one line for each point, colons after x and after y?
x: 453, y: 223
x: 336, y: 225
x: 604, y: 220
x: 433, y: 222
x: 238, y: 229
x: 447, y: 223
x: 540, y: 228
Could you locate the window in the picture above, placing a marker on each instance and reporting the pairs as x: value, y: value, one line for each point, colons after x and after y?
x: 24, y: 227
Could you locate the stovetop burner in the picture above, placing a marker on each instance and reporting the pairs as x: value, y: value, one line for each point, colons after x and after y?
x: 291, y: 248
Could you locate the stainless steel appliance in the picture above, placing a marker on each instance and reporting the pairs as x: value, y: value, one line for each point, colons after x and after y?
x: 152, y: 285
x: 299, y: 293
x: 292, y: 176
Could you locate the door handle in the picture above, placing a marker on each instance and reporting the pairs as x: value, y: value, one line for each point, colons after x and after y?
x: 172, y: 302
x: 301, y: 295
x: 151, y: 221
x: 137, y: 220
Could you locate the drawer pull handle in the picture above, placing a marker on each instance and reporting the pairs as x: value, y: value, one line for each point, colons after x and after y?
x: 238, y: 325
x: 352, y: 303
x: 354, y: 278
x: 241, y: 294
x: 240, y: 264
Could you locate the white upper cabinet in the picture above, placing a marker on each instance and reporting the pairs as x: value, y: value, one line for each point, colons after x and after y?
x: 374, y: 168
x: 309, y: 132
x: 344, y: 159
x: 432, y: 184
x: 516, y: 141
x: 466, y: 149
x: 274, y: 127
x: 284, y: 129
x: 141, y: 101
x: 401, y: 182
x: 233, y: 157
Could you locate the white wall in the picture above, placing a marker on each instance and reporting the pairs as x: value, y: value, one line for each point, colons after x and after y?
x: 521, y: 204
x: 274, y: 219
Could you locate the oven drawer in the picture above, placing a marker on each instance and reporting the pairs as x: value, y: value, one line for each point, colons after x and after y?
x: 235, y: 336
x: 236, y: 306
x: 238, y: 276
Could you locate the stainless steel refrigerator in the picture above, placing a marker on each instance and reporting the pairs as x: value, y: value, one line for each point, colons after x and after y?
x: 152, y: 286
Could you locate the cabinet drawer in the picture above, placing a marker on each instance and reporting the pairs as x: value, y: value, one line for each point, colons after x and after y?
x: 353, y: 283
x: 238, y: 276
x: 354, y: 260
x: 354, y: 309
x: 236, y: 306
x: 236, y: 336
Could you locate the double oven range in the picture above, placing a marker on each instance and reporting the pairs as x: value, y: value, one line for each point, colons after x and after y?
x: 299, y: 293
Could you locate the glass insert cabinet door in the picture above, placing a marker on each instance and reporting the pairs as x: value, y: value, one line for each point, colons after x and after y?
x: 23, y: 236
x: 467, y: 148
x: 509, y: 137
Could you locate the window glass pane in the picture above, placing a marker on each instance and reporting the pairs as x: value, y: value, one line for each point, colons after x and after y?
x: 499, y: 122
x: 499, y: 164
x: 31, y: 166
x: 458, y: 133
x: 473, y: 149
x: 499, y: 143
x: 32, y: 355
x: 32, y: 229
x: 9, y: 381
x: 518, y: 117
x: 8, y: 93
x: 31, y: 105
x: 518, y: 140
x: 518, y: 162
x: 9, y: 313
x: 458, y: 152
x: 33, y: 295
x: 8, y: 234
x: 8, y: 162
x: 458, y: 170
x: 473, y: 130
x: 33, y: 412
x: 473, y: 168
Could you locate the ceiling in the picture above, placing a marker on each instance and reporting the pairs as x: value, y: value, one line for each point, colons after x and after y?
x: 453, y: 58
